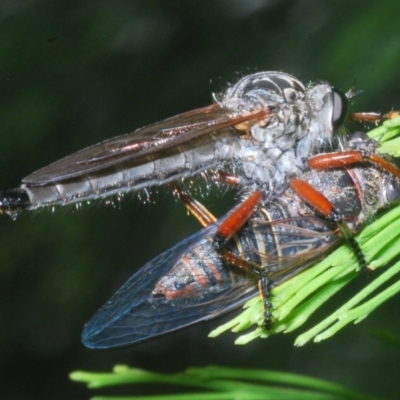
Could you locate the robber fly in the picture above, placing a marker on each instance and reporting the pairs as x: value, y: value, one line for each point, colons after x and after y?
x: 263, y: 127
x: 197, y: 281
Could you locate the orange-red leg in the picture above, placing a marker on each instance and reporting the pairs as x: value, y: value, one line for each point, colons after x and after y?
x: 345, y: 158
x: 371, y: 116
x: 314, y: 198
x: 230, y: 226
x: 224, y: 177
x: 204, y: 216
x: 237, y: 218
x: 317, y: 201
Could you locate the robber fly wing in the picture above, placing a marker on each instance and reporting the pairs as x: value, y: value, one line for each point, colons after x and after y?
x: 186, y: 284
x: 148, y: 140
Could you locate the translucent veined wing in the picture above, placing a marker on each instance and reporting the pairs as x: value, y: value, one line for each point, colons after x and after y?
x: 191, y: 282
x: 287, y: 246
x: 141, y: 309
x: 148, y: 140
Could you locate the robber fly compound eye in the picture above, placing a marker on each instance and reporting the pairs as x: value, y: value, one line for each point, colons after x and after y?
x: 340, y: 109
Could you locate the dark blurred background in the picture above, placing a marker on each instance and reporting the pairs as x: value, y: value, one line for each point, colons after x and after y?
x: 74, y: 73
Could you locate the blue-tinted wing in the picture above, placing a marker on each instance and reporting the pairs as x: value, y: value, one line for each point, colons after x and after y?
x: 184, y: 285
x: 191, y: 282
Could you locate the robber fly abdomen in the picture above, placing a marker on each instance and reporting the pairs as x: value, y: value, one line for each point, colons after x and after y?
x: 263, y: 128
x: 156, y: 169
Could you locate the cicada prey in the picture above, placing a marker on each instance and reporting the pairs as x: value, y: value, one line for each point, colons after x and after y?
x: 196, y: 280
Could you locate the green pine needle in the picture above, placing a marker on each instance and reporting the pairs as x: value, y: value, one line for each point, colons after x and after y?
x: 221, y: 383
x: 297, y: 299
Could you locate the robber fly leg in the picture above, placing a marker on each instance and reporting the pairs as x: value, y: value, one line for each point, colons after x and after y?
x: 204, y: 216
x: 236, y: 219
x: 346, y: 158
x: 264, y: 287
x: 224, y: 177
x: 264, y: 284
x: 194, y: 207
x: 322, y: 205
x: 228, y: 228
x: 347, y: 234
x: 372, y: 116
x: 231, y: 224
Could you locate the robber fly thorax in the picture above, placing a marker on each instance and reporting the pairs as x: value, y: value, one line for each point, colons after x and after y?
x: 301, y: 121
x: 263, y: 128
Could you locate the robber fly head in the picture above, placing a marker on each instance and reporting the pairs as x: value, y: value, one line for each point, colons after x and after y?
x: 306, y: 116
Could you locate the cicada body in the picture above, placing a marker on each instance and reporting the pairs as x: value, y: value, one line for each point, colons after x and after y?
x: 193, y: 281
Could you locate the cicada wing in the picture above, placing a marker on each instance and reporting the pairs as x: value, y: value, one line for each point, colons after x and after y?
x: 191, y: 282
x: 184, y: 285
x: 288, y: 246
x: 145, y: 141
